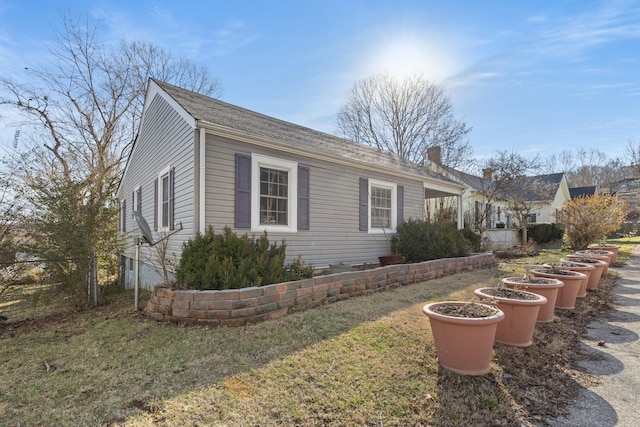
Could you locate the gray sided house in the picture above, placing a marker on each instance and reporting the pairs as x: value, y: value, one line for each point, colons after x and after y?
x: 201, y: 162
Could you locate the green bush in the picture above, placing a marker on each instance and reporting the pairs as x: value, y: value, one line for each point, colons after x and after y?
x: 474, y: 239
x: 229, y: 261
x: 418, y: 240
x: 544, y: 233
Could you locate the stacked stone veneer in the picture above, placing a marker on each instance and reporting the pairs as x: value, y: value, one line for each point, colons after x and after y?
x: 237, y: 307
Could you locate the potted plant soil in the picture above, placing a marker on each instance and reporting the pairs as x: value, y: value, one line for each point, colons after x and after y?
x: 585, y: 269
x: 600, y: 255
x: 567, y: 294
x: 596, y: 274
x: 520, y: 310
x: 548, y: 288
x: 607, y: 248
x: 463, y: 333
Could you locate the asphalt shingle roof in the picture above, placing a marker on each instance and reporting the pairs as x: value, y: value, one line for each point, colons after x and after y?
x: 217, y: 112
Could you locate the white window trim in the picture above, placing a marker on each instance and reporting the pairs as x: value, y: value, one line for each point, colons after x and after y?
x: 394, y: 206
x: 258, y: 161
x: 163, y: 172
x: 135, y: 200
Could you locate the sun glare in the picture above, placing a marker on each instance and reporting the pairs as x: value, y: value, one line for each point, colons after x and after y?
x: 404, y: 56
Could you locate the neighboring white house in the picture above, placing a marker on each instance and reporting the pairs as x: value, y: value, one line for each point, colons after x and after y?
x: 202, y: 162
x: 546, y: 204
x: 492, y: 213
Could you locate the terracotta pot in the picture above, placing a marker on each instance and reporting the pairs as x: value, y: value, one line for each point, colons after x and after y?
x: 567, y: 294
x: 585, y: 269
x: 390, y: 259
x: 520, y: 314
x: 548, y: 288
x: 464, y: 345
x: 607, y: 248
x: 596, y: 274
x: 601, y: 255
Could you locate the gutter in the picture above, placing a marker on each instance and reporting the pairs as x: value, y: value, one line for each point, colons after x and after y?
x: 237, y: 135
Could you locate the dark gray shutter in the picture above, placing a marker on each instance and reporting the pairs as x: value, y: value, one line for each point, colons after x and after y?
x: 139, y: 200
x: 364, y: 204
x: 155, y: 205
x: 303, y: 198
x: 243, y: 191
x: 400, y: 202
x: 124, y: 216
x: 172, y: 182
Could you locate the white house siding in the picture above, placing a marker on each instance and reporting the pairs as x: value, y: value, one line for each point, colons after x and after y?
x: 165, y: 139
x: 546, y: 212
x: 334, y: 234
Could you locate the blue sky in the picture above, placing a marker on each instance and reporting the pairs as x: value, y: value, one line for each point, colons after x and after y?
x: 531, y: 76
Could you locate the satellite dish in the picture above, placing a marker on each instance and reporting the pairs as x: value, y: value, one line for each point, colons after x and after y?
x: 144, y: 228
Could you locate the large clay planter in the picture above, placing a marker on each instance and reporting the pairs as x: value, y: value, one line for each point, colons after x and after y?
x: 601, y: 255
x: 520, y: 310
x: 464, y: 345
x: 548, y: 288
x: 607, y: 248
x: 596, y: 274
x: 567, y: 294
x: 585, y: 269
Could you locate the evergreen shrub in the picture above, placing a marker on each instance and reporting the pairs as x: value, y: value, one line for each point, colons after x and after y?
x: 419, y: 240
x: 228, y: 261
x: 544, y: 233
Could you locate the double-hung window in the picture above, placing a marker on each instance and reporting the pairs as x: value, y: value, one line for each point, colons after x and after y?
x: 274, y: 194
x: 383, y: 206
x: 164, y: 200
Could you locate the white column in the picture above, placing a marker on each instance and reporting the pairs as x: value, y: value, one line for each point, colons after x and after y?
x: 460, y: 213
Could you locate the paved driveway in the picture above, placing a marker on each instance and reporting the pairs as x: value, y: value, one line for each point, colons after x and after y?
x: 616, y: 402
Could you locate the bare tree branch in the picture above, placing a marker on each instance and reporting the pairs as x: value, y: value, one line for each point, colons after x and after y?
x: 404, y: 117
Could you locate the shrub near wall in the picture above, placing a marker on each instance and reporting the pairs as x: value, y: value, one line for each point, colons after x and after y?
x: 229, y: 261
x: 237, y: 307
x: 418, y: 240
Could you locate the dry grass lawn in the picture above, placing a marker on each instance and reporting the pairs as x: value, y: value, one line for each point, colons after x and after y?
x: 365, y: 361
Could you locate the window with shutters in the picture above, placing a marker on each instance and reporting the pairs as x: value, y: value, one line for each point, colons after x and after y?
x: 383, y: 206
x: 274, y: 194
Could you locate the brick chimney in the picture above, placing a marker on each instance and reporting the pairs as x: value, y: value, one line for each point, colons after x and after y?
x: 487, y: 174
x: 434, y: 155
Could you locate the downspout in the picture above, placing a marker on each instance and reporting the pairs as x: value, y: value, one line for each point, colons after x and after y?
x: 201, y: 180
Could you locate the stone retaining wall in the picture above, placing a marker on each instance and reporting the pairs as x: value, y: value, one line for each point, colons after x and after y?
x: 237, y: 307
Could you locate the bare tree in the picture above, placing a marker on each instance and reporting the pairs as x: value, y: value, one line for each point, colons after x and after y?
x: 405, y: 117
x: 84, y: 110
x: 633, y: 149
x: 511, y: 184
x: 585, y: 168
